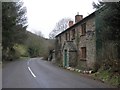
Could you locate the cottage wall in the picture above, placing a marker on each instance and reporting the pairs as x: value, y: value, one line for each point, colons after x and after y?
x: 87, y: 41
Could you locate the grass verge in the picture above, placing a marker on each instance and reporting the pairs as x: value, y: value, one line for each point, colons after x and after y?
x: 108, y: 77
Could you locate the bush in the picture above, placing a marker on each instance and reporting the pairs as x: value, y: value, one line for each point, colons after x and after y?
x: 108, y: 77
x: 108, y: 57
x: 22, y: 50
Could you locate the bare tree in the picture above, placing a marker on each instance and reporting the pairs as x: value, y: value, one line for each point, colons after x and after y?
x: 60, y: 26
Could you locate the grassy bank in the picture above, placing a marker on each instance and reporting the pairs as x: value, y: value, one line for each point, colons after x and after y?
x: 108, y: 77
x: 105, y: 76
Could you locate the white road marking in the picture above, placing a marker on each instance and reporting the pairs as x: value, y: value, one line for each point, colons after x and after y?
x: 31, y: 72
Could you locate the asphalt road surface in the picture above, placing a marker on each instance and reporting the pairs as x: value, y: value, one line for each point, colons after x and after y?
x: 37, y: 73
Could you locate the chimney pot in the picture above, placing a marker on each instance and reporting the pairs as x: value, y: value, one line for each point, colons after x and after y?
x: 78, y: 18
x: 70, y: 23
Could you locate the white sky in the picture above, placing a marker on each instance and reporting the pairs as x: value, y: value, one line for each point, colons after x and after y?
x: 44, y: 14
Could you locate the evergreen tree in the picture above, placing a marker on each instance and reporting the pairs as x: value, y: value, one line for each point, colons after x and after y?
x: 13, y: 26
x: 111, y: 18
x: 108, y: 16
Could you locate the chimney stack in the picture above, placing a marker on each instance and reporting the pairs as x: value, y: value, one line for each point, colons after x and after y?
x: 78, y: 18
x: 70, y: 23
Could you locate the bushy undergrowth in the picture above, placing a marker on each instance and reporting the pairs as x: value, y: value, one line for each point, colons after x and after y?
x: 108, y: 77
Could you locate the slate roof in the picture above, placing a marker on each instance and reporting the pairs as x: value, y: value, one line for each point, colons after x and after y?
x: 91, y: 15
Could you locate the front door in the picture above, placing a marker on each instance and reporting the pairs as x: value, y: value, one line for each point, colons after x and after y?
x: 65, y: 58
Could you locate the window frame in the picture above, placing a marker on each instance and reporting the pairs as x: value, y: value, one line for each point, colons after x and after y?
x: 83, y: 53
x: 83, y: 29
x: 73, y: 34
x: 66, y: 36
x: 60, y: 39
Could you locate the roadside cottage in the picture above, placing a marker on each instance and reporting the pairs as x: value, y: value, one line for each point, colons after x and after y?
x: 76, y: 46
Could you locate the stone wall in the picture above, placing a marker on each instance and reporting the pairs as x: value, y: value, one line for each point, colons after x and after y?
x: 88, y: 41
x: 72, y: 59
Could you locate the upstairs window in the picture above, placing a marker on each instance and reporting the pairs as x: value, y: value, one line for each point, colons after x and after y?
x: 60, y: 39
x: 73, y: 34
x: 83, y: 29
x: 69, y: 36
x: 66, y: 36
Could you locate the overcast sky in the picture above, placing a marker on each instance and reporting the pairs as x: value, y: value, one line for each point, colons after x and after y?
x: 44, y: 14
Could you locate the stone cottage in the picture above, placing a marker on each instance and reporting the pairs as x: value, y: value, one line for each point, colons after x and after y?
x: 76, y: 46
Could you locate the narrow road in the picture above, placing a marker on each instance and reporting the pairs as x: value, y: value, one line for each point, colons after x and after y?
x: 37, y: 73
